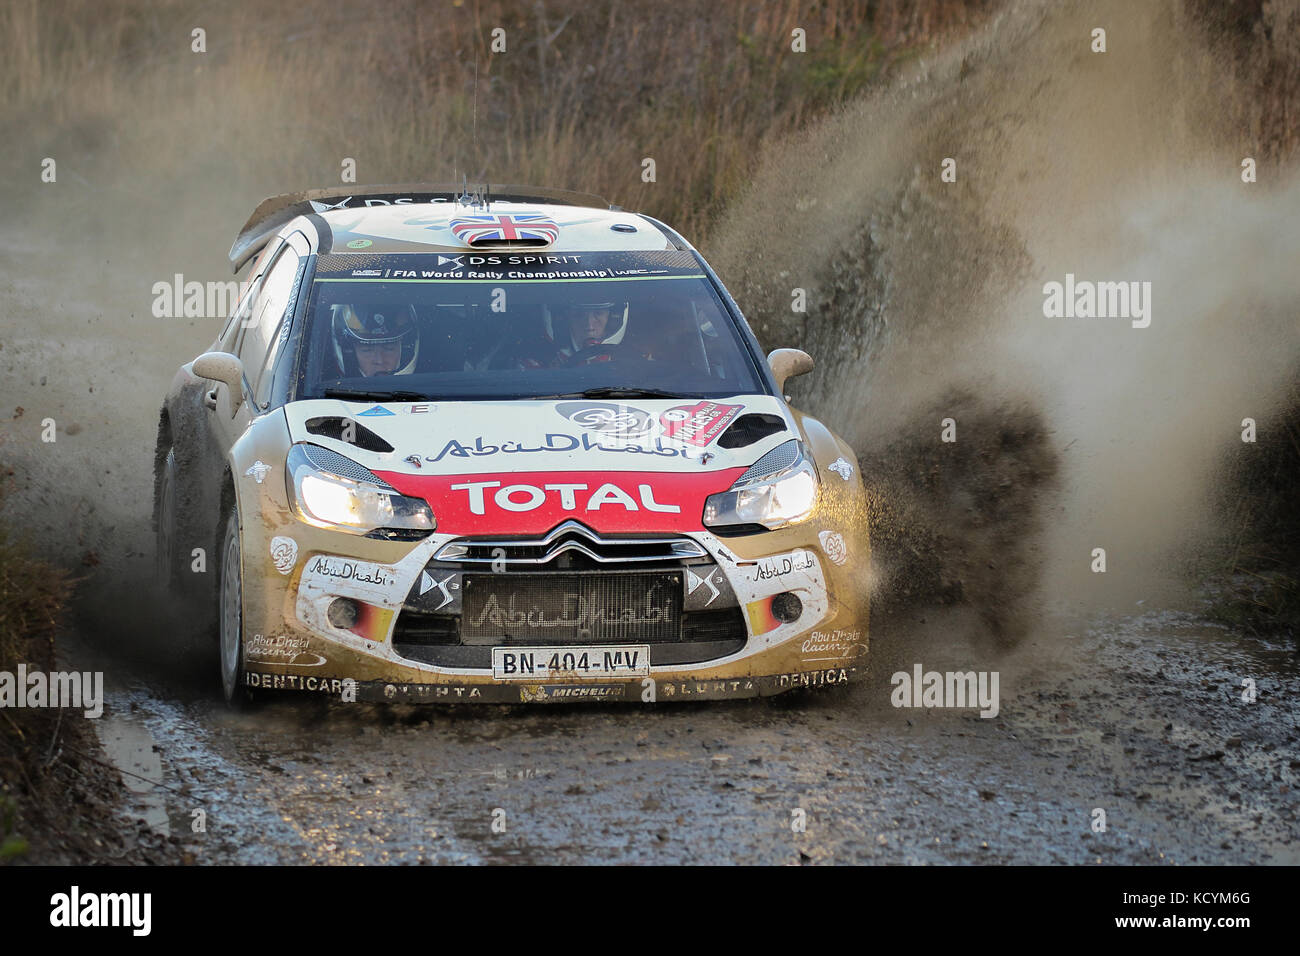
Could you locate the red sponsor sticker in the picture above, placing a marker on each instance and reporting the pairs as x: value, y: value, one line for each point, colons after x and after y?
x: 698, y: 424
x: 533, y: 502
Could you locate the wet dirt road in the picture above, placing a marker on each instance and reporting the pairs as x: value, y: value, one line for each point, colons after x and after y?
x: 1142, y: 718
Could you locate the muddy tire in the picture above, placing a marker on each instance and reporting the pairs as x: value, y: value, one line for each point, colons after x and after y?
x: 230, y: 616
x: 188, y: 597
x: 164, y: 519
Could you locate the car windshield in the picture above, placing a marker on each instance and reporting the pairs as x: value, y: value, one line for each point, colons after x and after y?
x: 515, y: 325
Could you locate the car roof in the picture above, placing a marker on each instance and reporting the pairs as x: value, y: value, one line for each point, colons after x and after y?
x: 421, y: 218
x: 427, y: 227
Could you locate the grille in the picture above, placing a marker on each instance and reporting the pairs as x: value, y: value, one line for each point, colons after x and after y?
x: 571, y: 536
x: 778, y: 459
x: 337, y: 464
x: 426, y: 630
x: 725, y: 624
x: 559, y: 608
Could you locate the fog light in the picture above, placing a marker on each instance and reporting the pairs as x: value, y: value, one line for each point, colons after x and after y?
x: 786, y: 607
x: 343, y: 612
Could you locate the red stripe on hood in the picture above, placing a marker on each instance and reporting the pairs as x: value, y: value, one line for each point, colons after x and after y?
x: 606, y: 501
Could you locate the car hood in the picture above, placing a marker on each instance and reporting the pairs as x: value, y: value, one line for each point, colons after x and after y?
x: 631, y: 464
x: 455, y: 438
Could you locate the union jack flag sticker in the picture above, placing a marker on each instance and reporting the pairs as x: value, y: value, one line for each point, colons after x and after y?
x: 515, y: 227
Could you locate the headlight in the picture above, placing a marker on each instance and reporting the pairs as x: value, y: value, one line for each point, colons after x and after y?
x: 770, y: 499
x: 360, y: 504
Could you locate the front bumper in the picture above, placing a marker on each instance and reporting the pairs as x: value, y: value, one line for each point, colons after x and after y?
x: 726, y: 642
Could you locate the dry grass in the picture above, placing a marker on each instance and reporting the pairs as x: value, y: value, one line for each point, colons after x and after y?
x: 584, y: 92
x: 32, y: 596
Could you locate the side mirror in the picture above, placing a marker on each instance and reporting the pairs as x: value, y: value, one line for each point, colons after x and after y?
x: 223, y: 367
x: 787, y: 363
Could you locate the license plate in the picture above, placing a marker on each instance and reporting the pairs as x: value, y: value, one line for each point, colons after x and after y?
x: 571, y: 663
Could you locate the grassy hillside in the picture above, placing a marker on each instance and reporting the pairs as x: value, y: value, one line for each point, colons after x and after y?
x: 582, y: 94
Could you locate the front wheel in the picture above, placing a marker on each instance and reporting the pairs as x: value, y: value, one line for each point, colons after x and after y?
x: 230, y: 609
x: 186, y: 588
x: 165, y: 520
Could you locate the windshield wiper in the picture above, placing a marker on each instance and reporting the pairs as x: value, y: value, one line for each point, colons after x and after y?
x: 630, y: 391
x: 376, y: 395
x: 618, y: 391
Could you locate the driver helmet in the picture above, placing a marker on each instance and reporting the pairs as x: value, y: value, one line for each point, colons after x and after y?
x: 371, y: 329
x: 574, y: 326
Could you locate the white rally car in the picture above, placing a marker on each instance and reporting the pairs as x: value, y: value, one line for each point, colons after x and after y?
x: 518, y: 446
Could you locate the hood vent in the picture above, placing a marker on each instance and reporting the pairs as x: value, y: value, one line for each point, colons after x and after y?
x: 747, y: 429
x: 332, y: 426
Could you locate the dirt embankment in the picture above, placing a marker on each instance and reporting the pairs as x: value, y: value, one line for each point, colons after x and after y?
x: 56, y: 791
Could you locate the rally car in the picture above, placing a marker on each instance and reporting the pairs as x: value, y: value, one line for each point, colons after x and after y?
x: 511, y: 445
